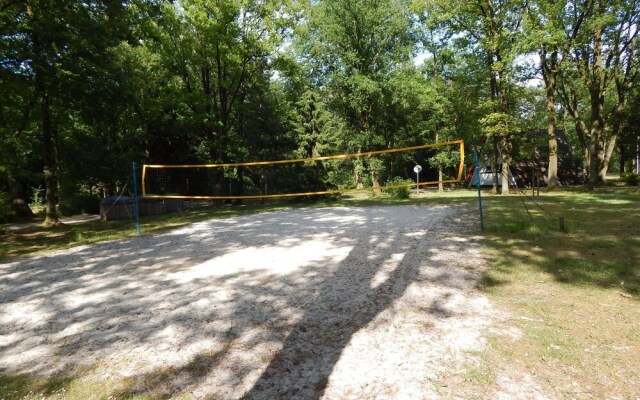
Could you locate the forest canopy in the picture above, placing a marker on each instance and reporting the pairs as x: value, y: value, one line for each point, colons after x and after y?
x: 90, y: 86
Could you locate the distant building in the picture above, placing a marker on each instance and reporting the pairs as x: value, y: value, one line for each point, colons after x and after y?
x: 532, y: 160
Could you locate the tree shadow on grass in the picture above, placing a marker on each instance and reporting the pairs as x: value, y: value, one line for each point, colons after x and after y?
x: 600, y: 248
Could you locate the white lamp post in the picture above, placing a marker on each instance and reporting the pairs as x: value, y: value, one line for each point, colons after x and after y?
x: 417, y: 170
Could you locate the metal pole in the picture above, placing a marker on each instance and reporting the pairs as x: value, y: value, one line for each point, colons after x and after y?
x: 478, y: 186
x: 135, y: 193
x: 417, y: 182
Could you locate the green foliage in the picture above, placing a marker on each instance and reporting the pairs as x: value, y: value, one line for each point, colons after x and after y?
x: 445, y: 158
x: 631, y: 179
x: 194, y: 81
x: 6, y: 212
x: 37, y: 196
x: 401, y: 192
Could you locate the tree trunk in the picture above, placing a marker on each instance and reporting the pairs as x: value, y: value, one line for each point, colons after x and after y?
x: 49, y: 168
x: 597, y: 133
x: 597, y: 151
x: 51, y: 215
x: 582, y: 132
x: 18, y: 202
x: 506, y: 160
x: 357, y: 173
x: 608, y: 152
x: 240, y: 186
x: 264, y: 188
x: 622, y: 150
x: 494, y: 170
x: 506, y: 148
x: 549, y: 72
x: 440, y: 185
x: 375, y: 183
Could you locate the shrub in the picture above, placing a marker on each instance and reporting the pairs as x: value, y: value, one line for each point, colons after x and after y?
x: 631, y: 179
x: 399, y: 192
x: 37, y: 197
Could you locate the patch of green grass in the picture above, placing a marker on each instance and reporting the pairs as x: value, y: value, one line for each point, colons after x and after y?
x: 481, y: 375
x: 574, y: 295
x: 25, y: 387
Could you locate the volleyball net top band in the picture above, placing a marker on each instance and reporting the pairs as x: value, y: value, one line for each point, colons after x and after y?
x: 180, y: 180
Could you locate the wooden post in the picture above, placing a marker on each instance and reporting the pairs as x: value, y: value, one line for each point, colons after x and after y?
x: 561, y: 222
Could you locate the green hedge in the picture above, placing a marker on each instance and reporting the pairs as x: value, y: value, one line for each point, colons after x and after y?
x: 400, y: 192
x: 631, y: 179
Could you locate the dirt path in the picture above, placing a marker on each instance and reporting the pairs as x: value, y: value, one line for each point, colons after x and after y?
x: 76, y: 219
x: 330, y: 303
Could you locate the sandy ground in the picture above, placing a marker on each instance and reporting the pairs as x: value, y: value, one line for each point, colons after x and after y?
x: 329, y: 303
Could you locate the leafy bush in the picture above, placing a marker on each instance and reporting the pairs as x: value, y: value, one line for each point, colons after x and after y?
x: 631, y: 179
x: 6, y: 212
x: 399, y: 192
x: 37, y: 197
x: 80, y: 203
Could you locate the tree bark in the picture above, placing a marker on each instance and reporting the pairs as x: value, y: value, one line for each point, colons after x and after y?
x: 570, y: 101
x: 494, y: 170
x: 18, y: 202
x: 506, y: 161
x: 375, y: 183
x: 357, y: 171
x: 51, y: 215
x: 39, y: 64
x: 549, y: 74
x: 440, y: 185
x: 596, y: 93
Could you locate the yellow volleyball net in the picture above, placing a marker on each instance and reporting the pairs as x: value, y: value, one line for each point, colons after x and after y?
x: 312, y: 176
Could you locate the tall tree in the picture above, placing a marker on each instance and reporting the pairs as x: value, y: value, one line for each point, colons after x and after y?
x: 355, y: 46
x: 58, y: 48
x: 492, y: 28
x: 219, y: 50
x: 546, y: 33
x: 604, y: 64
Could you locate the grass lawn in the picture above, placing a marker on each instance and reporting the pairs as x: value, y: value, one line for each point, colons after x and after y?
x: 571, y: 299
x: 569, y: 302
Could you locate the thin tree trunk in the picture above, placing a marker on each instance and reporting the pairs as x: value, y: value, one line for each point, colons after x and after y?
x: 623, y: 158
x: 494, y: 190
x: 571, y: 107
x: 51, y: 215
x: 506, y: 160
x: 357, y: 172
x: 18, y: 202
x: 49, y: 167
x: 264, y: 187
x: 375, y: 183
x: 608, y: 152
x: 440, y: 185
x: 549, y: 73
